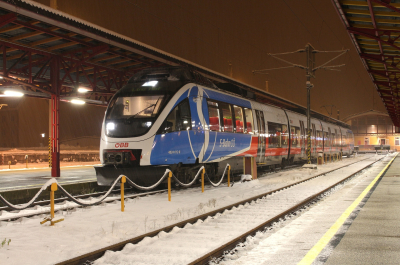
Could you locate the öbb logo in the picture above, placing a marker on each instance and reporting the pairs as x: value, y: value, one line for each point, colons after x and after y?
x: 121, y: 145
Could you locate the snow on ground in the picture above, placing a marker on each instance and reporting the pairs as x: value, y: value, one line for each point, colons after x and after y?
x: 90, y: 228
x: 291, y: 240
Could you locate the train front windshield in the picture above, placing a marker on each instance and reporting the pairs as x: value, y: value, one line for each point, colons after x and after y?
x: 134, y: 109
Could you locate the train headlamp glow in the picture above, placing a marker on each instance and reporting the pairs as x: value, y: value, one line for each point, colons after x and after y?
x: 110, y: 126
x: 150, y: 83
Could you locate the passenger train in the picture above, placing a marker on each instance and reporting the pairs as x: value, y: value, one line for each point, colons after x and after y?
x: 176, y: 118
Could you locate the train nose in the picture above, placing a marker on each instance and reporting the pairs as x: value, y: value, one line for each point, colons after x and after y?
x: 122, y: 157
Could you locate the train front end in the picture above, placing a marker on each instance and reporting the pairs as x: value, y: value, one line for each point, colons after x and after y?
x: 132, y: 119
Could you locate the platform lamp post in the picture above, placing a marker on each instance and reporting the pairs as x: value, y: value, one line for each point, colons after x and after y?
x: 310, y: 72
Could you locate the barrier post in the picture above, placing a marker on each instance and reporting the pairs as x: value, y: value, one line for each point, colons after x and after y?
x: 202, y: 180
x: 26, y: 160
x: 53, y: 188
x: 9, y: 164
x: 169, y: 185
x: 123, y: 180
x: 229, y: 176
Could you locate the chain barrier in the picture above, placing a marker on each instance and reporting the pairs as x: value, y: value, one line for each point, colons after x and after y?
x: 102, y: 198
x: 220, y: 181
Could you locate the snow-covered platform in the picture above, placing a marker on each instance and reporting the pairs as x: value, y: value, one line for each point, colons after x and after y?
x: 358, y: 223
x: 20, y: 185
x: 373, y: 234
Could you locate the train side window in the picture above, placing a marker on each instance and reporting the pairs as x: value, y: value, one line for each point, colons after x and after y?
x: 319, y: 138
x: 213, y: 114
x: 179, y: 119
x: 326, y: 140
x: 238, y: 119
x: 338, y: 140
x: 249, y: 120
x: 275, y: 135
x: 285, y: 135
x: 227, y: 116
x: 295, y: 136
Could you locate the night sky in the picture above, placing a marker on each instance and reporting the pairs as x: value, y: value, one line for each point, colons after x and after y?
x: 216, y: 33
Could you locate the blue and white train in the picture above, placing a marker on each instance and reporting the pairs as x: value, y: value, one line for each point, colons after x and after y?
x: 175, y: 118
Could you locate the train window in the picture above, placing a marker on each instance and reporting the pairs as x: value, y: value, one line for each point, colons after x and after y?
x: 295, y: 136
x: 179, y: 119
x: 227, y: 116
x: 277, y: 135
x: 249, y: 120
x: 285, y: 135
x: 319, y: 139
x: 238, y: 118
x: 333, y: 140
x: 213, y: 114
x: 327, y: 142
x: 337, y: 138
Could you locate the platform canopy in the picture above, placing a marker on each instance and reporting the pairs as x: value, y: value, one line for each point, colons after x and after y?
x: 374, y: 28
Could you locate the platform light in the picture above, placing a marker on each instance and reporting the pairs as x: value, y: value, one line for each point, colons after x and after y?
x: 43, y: 135
x: 10, y: 93
x: 150, y: 83
x: 83, y: 89
x: 77, y: 101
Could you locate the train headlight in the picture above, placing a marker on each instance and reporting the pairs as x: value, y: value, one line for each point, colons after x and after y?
x: 148, y: 124
x: 150, y: 83
x: 110, y: 126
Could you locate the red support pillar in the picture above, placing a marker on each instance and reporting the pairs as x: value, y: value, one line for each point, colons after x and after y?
x: 55, y: 153
x: 55, y: 101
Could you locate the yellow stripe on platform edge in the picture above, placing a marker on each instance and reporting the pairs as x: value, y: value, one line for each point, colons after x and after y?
x: 314, y: 252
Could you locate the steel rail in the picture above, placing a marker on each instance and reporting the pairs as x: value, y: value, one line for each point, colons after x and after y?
x: 91, y: 256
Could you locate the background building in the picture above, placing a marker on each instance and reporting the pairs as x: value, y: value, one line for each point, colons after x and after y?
x: 373, y: 129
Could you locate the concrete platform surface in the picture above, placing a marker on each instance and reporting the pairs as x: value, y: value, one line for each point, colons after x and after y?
x: 374, y: 235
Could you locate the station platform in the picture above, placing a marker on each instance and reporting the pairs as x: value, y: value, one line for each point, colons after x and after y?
x: 19, y: 184
x: 373, y: 236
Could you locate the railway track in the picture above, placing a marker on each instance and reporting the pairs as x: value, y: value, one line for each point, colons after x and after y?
x: 256, y: 213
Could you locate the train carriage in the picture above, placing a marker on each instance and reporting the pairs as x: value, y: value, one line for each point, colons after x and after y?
x: 175, y: 118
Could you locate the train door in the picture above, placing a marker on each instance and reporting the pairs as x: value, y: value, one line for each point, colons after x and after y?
x: 173, y: 143
x: 261, y: 136
x: 302, y: 141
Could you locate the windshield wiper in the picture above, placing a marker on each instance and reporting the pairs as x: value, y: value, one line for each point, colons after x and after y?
x: 131, y: 117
